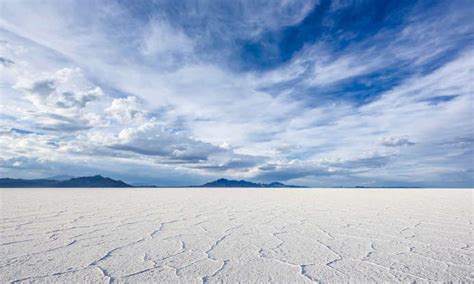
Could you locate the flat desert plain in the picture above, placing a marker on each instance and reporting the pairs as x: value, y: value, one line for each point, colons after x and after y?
x: 236, y: 235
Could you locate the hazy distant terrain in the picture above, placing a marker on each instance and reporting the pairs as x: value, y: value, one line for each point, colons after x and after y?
x: 99, y: 181
x: 236, y: 235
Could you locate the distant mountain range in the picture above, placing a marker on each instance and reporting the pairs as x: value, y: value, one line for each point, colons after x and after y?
x: 243, y: 183
x: 92, y: 181
x: 100, y: 181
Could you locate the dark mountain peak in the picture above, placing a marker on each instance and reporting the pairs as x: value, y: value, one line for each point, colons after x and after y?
x: 93, y: 181
x: 222, y: 182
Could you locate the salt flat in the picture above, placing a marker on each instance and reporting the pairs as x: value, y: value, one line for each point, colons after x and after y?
x: 236, y: 235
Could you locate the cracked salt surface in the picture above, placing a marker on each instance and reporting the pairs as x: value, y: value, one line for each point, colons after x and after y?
x: 236, y: 235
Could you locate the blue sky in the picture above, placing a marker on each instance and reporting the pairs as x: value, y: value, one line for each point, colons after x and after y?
x: 318, y: 93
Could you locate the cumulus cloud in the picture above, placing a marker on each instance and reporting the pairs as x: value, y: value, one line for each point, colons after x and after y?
x: 153, y: 139
x: 126, y: 110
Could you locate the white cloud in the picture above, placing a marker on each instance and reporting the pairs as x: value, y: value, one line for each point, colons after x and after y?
x: 329, y: 70
x: 160, y: 39
x: 127, y: 110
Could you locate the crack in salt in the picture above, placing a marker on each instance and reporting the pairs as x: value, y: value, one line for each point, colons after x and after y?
x: 205, y: 279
